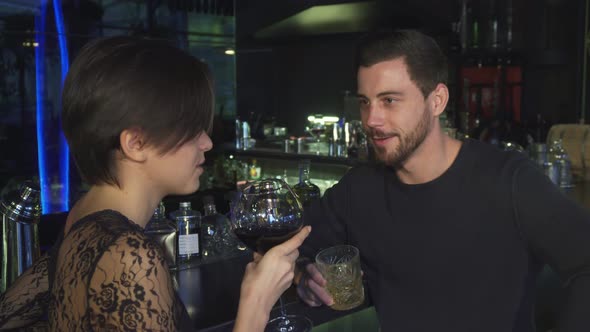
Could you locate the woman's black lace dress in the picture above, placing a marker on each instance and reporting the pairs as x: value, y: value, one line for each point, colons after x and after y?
x: 105, y: 275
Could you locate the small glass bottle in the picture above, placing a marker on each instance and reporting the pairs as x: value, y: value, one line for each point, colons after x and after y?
x: 305, y: 190
x: 209, y: 229
x: 188, y: 245
x: 254, y: 171
x: 559, y: 157
x: 163, y: 231
x: 217, y: 237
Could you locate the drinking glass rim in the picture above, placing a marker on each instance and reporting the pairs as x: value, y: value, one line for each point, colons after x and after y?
x: 355, y: 252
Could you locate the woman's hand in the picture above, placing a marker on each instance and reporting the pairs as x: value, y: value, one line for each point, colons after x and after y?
x: 268, y: 276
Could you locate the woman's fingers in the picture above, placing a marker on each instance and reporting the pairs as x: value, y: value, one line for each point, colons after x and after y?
x: 293, y: 243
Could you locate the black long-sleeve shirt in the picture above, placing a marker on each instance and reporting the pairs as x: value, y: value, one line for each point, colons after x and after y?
x: 460, y: 253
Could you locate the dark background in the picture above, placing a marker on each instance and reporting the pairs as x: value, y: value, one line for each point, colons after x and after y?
x: 296, y: 72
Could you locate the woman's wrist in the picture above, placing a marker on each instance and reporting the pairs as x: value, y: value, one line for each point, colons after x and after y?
x: 253, y: 314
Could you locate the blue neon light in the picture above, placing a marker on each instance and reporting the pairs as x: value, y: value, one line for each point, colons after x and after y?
x: 64, y: 158
x: 39, y: 92
x: 64, y: 154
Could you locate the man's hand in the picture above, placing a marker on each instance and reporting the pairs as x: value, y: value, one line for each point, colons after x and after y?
x: 311, y: 288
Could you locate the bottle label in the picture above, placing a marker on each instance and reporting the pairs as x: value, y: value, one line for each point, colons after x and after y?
x: 188, y: 244
x: 255, y: 173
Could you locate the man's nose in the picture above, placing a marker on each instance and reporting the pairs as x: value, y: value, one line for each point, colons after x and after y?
x: 375, y: 116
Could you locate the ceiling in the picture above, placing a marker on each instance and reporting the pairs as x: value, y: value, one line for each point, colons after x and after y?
x: 324, y: 19
x: 270, y: 19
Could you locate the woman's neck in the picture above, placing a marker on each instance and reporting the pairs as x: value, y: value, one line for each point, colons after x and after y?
x: 134, y: 203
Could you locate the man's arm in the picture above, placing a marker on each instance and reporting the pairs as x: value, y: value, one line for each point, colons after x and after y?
x: 327, y: 216
x: 557, y: 229
x: 27, y: 299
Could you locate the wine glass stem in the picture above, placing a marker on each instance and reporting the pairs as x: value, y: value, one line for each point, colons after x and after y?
x: 283, y: 311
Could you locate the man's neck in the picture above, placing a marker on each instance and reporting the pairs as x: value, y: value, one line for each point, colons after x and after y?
x: 434, y: 156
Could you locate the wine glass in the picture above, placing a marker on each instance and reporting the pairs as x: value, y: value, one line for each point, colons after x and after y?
x: 267, y: 213
x: 316, y: 129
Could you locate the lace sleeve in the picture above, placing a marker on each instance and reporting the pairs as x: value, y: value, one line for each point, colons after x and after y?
x: 131, y: 288
x: 27, y: 298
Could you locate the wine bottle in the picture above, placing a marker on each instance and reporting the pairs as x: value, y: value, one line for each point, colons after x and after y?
x: 305, y: 190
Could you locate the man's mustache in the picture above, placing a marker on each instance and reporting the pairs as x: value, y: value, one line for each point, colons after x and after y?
x: 378, y: 134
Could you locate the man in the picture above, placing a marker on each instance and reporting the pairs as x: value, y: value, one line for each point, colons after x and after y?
x: 452, y: 234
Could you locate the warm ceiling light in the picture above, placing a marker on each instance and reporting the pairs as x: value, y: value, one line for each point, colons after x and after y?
x: 322, y: 119
x: 230, y: 51
x: 325, y: 19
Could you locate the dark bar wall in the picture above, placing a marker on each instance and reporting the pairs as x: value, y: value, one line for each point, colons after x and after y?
x: 295, y: 79
x: 552, y: 38
x: 299, y: 71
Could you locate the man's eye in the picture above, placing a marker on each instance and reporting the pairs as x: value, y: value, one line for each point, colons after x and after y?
x: 363, y: 102
x: 388, y: 100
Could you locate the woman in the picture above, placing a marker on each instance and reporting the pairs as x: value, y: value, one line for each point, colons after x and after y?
x: 136, y: 114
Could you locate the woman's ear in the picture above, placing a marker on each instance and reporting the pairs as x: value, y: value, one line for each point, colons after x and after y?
x: 133, y: 145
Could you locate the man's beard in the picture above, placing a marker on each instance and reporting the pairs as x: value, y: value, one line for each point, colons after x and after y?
x: 407, y: 143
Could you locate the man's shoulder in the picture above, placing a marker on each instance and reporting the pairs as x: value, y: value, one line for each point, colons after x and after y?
x: 491, y: 155
x: 360, y: 178
x: 490, y: 161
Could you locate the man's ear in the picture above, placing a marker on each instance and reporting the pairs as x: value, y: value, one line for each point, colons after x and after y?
x: 133, y: 145
x: 440, y: 98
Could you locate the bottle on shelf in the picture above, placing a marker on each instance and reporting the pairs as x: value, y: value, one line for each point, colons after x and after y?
x: 508, y: 28
x: 188, y: 244
x: 464, y: 24
x: 475, y: 27
x: 216, y: 234
x: 559, y: 157
x: 305, y: 190
x: 238, y: 130
x: 254, y: 171
x: 492, y: 34
x: 163, y: 231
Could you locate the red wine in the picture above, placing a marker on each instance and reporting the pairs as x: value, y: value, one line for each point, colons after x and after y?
x: 263, y: 239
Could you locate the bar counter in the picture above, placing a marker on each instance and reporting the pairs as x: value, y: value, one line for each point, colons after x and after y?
x: 211, y: 291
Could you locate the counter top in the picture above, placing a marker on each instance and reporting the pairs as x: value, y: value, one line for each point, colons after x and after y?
x: 213, y: 307
x: 278, y: 154
x: 210, y: 293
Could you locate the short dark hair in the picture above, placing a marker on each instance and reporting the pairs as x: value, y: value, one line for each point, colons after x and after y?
x: 122, y: 82
x: 426, y: 63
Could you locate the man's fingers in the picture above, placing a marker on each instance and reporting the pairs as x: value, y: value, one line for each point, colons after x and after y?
x: 319, y: 292
x: 307, y: 296
x: 315, y: 274
x: 294, y: 242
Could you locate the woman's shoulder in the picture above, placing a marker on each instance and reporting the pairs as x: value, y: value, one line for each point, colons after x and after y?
x: 107, y: 221
x: 111, y: 233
